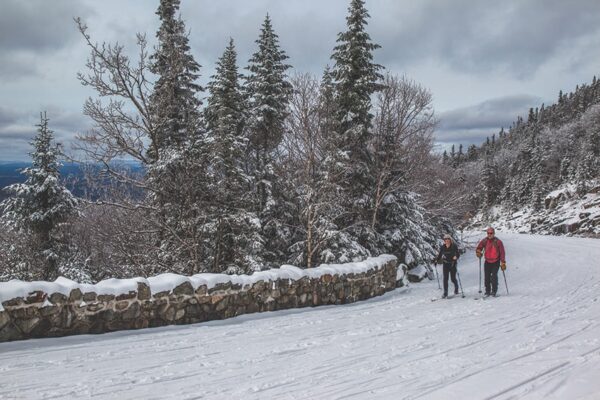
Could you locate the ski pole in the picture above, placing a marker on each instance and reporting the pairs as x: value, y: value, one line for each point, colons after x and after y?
x: 506, y: 284
x: 479, y: 275
x: 459, y: 282
x: 436, y: 275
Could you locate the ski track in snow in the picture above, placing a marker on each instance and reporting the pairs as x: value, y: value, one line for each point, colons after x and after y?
x: 540, y: 342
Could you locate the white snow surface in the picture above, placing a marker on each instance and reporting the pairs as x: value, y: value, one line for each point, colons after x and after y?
x: 167, y: 282
x: 540, y: 342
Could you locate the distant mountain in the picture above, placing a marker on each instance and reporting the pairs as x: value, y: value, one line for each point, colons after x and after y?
x: 71, y: 173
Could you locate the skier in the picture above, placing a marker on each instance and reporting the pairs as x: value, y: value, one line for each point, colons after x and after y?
x: 493, y: 249
x: 448, y: 256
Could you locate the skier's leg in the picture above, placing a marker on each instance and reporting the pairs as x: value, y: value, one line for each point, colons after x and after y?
x: 487, y: 277
x: 494, y: 272
x: 453, y: 277
x: 446, y: 273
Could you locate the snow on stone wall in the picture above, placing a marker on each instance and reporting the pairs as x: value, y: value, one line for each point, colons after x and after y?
x: 64, y: 307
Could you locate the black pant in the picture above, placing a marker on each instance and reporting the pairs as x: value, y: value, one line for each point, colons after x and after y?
x: 491, y: 277
x: 450, y: 270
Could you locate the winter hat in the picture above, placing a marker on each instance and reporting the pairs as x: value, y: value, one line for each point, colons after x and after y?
x: 446, y: 236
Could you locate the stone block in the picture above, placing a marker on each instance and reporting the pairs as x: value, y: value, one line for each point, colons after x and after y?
x: 143, y: 291
x: 185, y: 289
x: 126, y: 296
x: 4, y: 319
x: 89, y: 297
x: 75, y: 295
x: 58, y: 298
x: 121, y: 305
x: 35, y: 297
x: 95, y: 307
x: 134, y: 311
x: 202, y: 290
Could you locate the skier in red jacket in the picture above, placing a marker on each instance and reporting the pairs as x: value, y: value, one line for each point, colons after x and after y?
x: 495, y: 259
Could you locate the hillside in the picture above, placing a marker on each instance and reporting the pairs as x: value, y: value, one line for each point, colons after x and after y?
x: 539, y: 342
x: 565, y: 211
x: 541, y: 173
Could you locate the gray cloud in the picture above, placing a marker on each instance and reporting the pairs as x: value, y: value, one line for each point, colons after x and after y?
x: 37, y: 24
x: 33, y: 28
x: 473, y: 124
x: 516, y: 37
x: 7, y: 116
x: 17, y: 130
x: 465, y: 51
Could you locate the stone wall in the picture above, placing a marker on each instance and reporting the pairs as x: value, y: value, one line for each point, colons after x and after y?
x: 41, y: 314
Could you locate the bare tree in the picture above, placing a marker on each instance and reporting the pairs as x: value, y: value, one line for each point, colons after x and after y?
x: 123, y: 126
x: 404, y: 124
x: 304, y: 147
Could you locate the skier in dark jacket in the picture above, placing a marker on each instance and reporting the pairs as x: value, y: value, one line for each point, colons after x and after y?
x: 493, y: 248
x: 448, y: 256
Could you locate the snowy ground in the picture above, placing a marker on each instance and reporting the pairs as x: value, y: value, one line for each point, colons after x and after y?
x: 540, y: 342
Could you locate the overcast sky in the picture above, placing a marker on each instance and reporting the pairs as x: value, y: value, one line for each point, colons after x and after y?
x: 485, y: 61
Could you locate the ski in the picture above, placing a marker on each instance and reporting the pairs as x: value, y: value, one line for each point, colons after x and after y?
x: 445, y: 298
x: 486, y: 297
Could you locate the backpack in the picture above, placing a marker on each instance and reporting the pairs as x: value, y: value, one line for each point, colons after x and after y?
x: 494, y: 243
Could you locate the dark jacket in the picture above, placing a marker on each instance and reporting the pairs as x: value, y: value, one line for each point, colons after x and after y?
x: 447, y: 254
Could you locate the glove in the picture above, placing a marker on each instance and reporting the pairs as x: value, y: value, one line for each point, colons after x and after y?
x: 503, y: 265
x: 478, y: 253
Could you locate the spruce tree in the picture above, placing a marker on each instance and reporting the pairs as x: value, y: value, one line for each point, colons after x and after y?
x: 177, y: 171
x: 355, y: 78
x: 42, y: 203
x: 174, y: 102
x: 234, y: 233
x: 268, y: 91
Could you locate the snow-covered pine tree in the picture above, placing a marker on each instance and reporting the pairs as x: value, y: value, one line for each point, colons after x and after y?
x: 39, y: 206
x: 177, y: 171
x: 355, y: 77
x: 174, y: 102
x: 234, y: 232
x: 268, y: 91
x: 489, y: 181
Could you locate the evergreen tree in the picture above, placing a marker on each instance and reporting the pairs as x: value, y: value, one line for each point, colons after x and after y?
x: 355, y: 77
x: 490, y: 184
x: 232, y: 226
x: 445, y: 158
x: 177, y: 171
x: 41, y: 204
x: 175, y: 104
x: 268, y: 91
x: 327, y: 106
x: 472, y: 153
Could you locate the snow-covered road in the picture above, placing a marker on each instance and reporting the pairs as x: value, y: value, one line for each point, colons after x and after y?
x: 541, y: 342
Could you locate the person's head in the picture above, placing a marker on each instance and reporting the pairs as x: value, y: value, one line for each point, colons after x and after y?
x: 447, y: 239
x: 490, y: 232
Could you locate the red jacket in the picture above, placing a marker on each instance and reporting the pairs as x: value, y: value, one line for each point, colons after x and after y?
x: 492, y: 249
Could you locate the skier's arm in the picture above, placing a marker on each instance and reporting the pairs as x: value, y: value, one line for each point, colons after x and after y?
x: 480, y: 245
x: 438, y: 259
x: 479, y: 248
x: 501, y: 248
